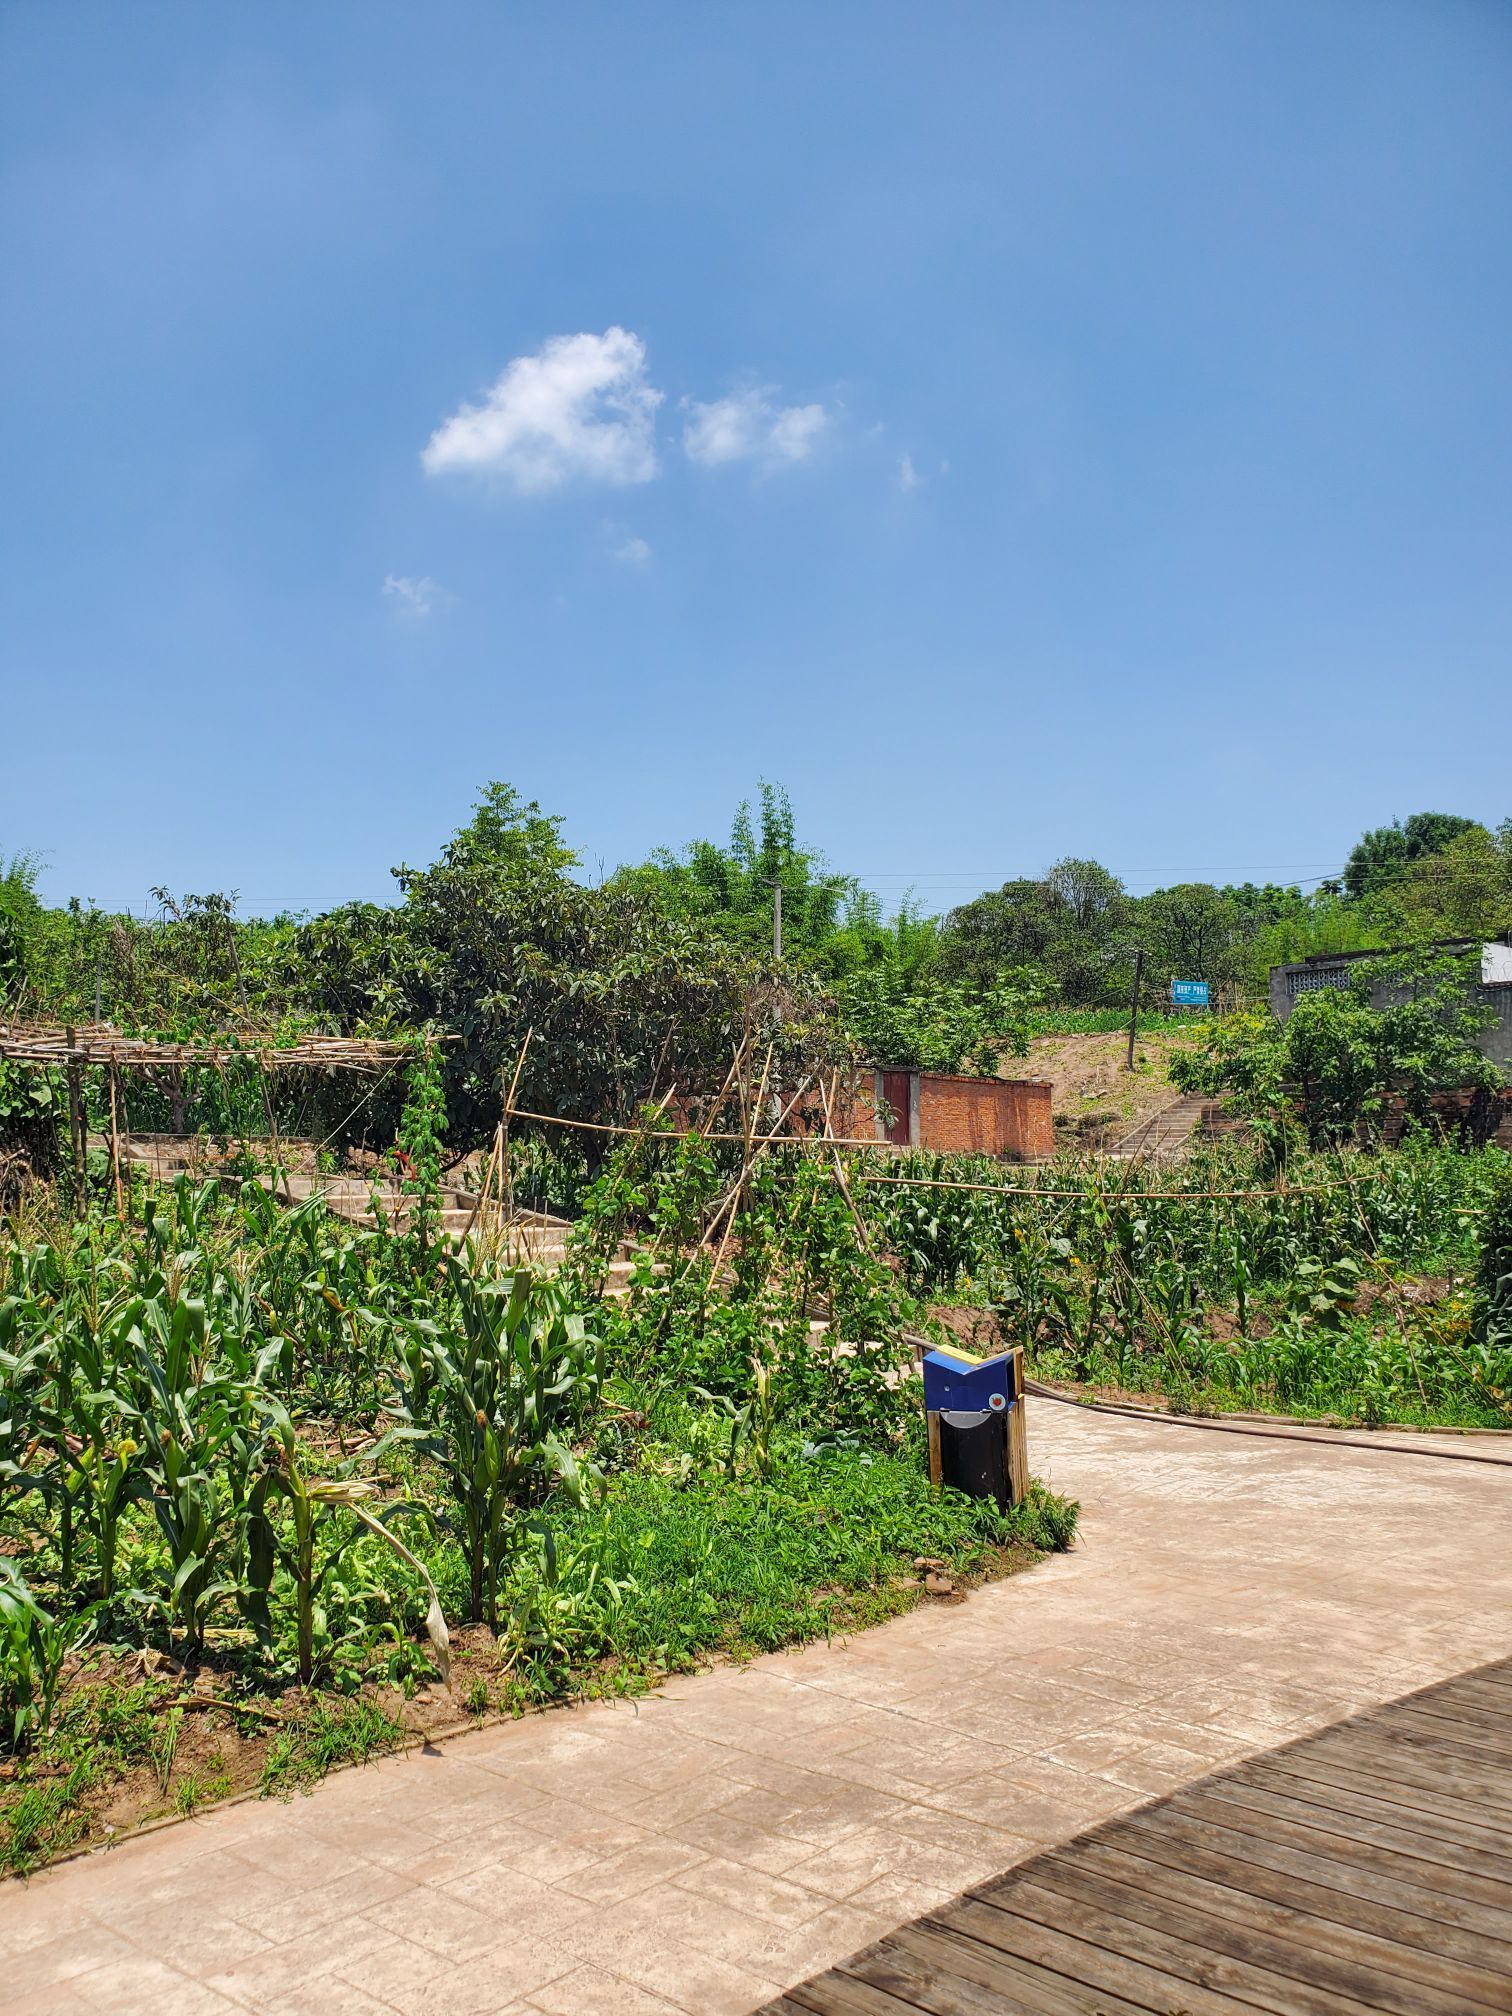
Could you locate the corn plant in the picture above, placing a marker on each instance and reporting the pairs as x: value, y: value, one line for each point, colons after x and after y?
x: 33, y: 1647
x: 200, y: 1437
x: 490, y: 1400
x: 325, y: 1515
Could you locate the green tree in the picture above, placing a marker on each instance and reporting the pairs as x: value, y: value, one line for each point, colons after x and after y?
x: 1333, y: 1063
x: 1380, y: 856
x: 1071, y: 926
x: 622, y: 995
x: 1192, y: 932
x: 730, y: 890
x: 1462, y: 891
x: 938, y: 1028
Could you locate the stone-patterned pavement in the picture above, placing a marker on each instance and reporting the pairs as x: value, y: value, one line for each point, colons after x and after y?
x: 744, y: 1829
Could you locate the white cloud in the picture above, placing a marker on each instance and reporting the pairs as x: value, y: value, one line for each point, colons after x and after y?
x: 908, y: 476
x: 635, y: 552
x: 580, y: 407
x: 418, y: 594
x: 795, y: 431
x: 749, y: 425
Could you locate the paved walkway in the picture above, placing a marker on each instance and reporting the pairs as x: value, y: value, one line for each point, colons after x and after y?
x: 747, y: 1828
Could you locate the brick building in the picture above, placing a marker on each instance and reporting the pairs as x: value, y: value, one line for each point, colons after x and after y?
x: 951, y: 1113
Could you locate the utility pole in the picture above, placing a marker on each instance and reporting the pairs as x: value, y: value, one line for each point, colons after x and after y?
x: 776, y: 920
x: 1134, y: 1003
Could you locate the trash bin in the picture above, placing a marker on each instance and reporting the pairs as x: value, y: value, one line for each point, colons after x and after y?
x: 975, y: 1410
x: 974, y: 1453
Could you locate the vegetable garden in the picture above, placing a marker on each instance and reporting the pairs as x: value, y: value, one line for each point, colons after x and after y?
x: 280, y: 1489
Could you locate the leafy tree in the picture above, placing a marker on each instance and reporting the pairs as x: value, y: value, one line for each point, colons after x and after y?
x: 1091, y: 893
x: 1192, y: 931
x: 730, y: 889
x: 20, y: 917
x: 1381, y: 855
x: 1003, y: 931
x: 1071, y: 925
x: 1462, y: 891
x: 939, y: 1028
x: 621, y: 995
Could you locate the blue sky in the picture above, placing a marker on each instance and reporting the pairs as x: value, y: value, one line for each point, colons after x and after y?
x: 1018, y: 429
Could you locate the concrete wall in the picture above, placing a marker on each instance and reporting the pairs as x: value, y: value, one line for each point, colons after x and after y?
x: 1289, y: 983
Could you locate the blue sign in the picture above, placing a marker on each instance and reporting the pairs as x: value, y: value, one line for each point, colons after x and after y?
x: 1189, y: 993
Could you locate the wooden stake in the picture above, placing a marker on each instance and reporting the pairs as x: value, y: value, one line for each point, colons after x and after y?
x: 506, y: 1179
x: 1134, y: 1004
x: 845, y: 1189
x: 1018, y: 1433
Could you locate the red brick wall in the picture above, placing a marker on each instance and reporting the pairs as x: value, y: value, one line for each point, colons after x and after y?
x: 1453, y: 1110
x: 985, y: 1116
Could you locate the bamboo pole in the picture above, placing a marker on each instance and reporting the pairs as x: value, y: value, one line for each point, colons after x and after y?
x: 506, y: 1178
x: 115, y: 1143
x: 77, y: 1127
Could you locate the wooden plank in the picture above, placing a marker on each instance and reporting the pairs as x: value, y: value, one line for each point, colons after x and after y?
x: 837, y: 1994
x: 1421, y: 1802
x: 1487, y: 1751
x: 1435, y: 1749
x: 1458, y: 1712
x: 1432, y: 1865
x: 1087, y: 1962
x: 1402, y: 1976
x: 956, y: 1958
x: 1190, y: 1963
x: 1430, y: 1760
x: 1485, y: 1732
x: 1018, y: 1432
x: 1331, y: 1887
x: 1327, y: 1783
x: 1335, y: 1781
x: 929, y: 1985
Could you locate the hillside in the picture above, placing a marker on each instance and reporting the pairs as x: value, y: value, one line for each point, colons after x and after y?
x: 1094, y: 1099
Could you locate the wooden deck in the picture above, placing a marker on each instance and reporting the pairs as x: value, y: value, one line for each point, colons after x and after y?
x: 1365, y: 1868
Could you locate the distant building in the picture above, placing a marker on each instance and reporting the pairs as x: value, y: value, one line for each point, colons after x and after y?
x: 1335, y: 969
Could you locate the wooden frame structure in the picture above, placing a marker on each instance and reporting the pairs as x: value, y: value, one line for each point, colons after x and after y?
x: 73, y: 1047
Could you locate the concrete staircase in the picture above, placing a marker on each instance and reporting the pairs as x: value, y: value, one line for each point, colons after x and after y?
x: 1167, y: 1137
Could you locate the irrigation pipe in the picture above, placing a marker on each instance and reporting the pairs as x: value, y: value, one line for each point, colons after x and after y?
x: 1314, y: 1437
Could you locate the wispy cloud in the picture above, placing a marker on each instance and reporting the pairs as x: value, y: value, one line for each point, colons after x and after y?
x: 635, y: 552
x: 908, y: 476
x: 749, y: 426
x: 416, y: 594
x: 580, y: 407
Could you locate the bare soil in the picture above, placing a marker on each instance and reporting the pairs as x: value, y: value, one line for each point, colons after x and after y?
x: 1094, y: 1099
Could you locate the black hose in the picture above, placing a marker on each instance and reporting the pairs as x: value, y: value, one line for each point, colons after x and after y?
x: 1314, y: 1436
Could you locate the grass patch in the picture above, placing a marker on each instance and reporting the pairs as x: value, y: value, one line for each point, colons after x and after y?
x: 334, y: 1733
x: 691, y: 1568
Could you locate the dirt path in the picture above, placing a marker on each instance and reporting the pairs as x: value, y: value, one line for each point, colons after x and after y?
x: 747, y: 1828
